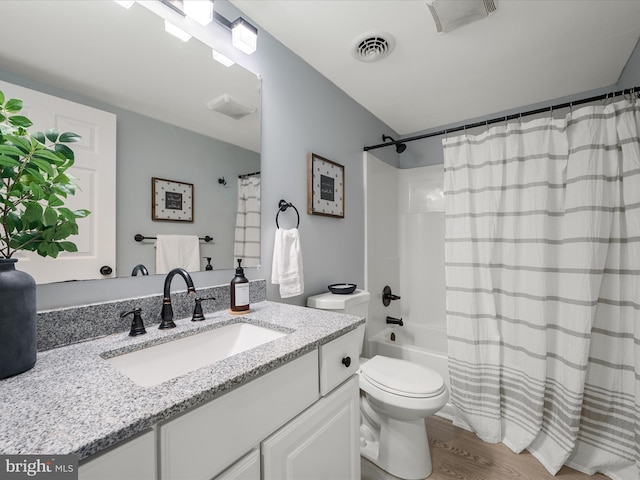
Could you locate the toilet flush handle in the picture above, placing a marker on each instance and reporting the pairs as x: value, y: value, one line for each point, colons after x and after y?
x: 346, y: 361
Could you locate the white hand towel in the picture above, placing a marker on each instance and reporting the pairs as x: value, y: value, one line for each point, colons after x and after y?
x: 286, y: 268
x: 173, y: 251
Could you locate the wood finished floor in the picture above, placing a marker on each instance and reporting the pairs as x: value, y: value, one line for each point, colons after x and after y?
x: 457, y: 454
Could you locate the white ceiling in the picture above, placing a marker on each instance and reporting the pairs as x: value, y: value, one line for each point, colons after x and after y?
x: 528, y: 51
x: 125, y: 58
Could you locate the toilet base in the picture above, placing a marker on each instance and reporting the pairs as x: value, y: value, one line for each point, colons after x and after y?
x: 399, y: 447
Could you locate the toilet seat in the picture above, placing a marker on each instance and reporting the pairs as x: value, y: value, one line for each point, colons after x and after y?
x: 401, y: 377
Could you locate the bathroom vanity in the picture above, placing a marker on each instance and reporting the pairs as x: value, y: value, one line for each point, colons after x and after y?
x: 285, y: 409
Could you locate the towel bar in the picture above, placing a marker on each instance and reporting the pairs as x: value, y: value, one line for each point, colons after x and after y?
x: 139, y: 238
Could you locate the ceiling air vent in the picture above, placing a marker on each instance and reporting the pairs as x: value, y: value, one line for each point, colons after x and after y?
x: 372, y: 47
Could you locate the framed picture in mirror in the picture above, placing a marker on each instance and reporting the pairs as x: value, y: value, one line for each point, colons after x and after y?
x: 171, y: 200
x: 325, y: 187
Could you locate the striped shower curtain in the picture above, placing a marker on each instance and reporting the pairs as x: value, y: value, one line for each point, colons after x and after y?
x: 247, y: 237
x: 542, y: 247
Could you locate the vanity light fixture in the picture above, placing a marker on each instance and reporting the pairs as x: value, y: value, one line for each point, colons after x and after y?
x: 223, y: 59
x: 175, y: 31
x: 244, y: 36
x: 199, y: 10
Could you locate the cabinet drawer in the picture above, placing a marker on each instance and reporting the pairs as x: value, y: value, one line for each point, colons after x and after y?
x: 206, y: 440
x: 339, y: 359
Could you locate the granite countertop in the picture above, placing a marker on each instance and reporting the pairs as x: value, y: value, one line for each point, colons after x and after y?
x: 74, y: 402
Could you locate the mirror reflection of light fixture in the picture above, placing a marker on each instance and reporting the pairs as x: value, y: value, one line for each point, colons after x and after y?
x: 244, y: 36
x: 199, y: 10
x: 449, y: 15
x: 175, y: 31
x: 223, y: 59
x: 125, y: 3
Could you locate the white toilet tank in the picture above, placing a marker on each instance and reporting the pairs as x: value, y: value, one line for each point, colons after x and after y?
x: 356, y: 303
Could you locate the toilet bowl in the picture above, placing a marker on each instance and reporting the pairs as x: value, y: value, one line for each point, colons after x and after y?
x: 395, y: 398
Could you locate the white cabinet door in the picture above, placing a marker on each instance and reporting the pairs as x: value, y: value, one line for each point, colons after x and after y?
x: 132, y: 459
x: 95, y: 173
x: 321, y: 443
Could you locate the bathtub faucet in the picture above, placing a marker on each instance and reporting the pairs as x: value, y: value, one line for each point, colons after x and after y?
x: 395, y: 321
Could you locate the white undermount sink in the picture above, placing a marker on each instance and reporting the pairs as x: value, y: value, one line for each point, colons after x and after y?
x: 156, y: 364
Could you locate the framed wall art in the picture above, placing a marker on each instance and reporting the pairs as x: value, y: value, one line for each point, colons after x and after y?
x: 325, y: 187
x: 171, y: 200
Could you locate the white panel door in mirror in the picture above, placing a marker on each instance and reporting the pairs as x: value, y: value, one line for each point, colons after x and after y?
x: 95, y: 174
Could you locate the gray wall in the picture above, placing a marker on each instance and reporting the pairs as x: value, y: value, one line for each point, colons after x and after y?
x: 428, y: 151
x: 147, y: 148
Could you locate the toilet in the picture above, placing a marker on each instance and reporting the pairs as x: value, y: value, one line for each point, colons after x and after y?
x: 395, y: 398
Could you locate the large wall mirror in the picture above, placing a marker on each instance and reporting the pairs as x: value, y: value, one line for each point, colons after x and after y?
x: 159, y: 88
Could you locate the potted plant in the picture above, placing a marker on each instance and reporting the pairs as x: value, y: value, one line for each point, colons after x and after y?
x: 33, y: 185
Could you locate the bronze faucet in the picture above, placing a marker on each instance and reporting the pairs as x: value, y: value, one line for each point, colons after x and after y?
x: 166, y: 315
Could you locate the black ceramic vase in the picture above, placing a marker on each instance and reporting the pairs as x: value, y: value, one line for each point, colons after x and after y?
x: 17, y: 319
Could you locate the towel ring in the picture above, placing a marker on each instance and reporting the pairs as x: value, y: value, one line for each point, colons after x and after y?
x: 282, y: 207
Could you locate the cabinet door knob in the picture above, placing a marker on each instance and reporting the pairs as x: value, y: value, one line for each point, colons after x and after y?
x: 346, y: 361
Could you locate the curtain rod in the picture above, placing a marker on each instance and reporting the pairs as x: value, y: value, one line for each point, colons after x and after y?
x: 507, y: 117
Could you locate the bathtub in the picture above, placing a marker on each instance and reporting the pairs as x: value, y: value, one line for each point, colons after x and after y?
x: 423, y: 345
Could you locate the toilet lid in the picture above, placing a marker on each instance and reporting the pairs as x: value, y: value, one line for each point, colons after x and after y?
x: 402, y: 377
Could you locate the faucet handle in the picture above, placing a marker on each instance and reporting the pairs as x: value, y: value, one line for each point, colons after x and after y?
x: 137, y: 326
x: 198, y: 314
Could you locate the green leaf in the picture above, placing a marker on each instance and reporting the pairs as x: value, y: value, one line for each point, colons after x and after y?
x: 24, y: 146
x: 48, y: 155
x: 69, y: 137
x: 43, y: 165
x: 10, y: 150
x: 52, y: 134
x: 32, y: 174
x: 82, y: 213
x: 39, y: 136
x: 65, y: 151
x: 50, y: 216
x: 36, y: 191
x: 32, y: 212
x: 47, y: 235
x: 68, y: 246
x: 20, y: 121
x: 63, y: 231
x: 66, y: 213
x: 13, y: 105
x: 55, y: 201
x: 1, y: 97
x: 8, y: 161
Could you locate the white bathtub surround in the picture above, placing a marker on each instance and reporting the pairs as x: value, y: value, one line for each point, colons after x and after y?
x: 542, y: 268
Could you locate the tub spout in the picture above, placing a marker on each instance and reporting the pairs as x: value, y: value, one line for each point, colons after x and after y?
x: 395, y: 321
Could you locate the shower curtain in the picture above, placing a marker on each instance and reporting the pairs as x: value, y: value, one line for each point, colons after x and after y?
x: 247, y: 236
x: 542, y: 250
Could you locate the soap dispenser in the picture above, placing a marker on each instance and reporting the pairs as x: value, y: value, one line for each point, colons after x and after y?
x: 239, y: 291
